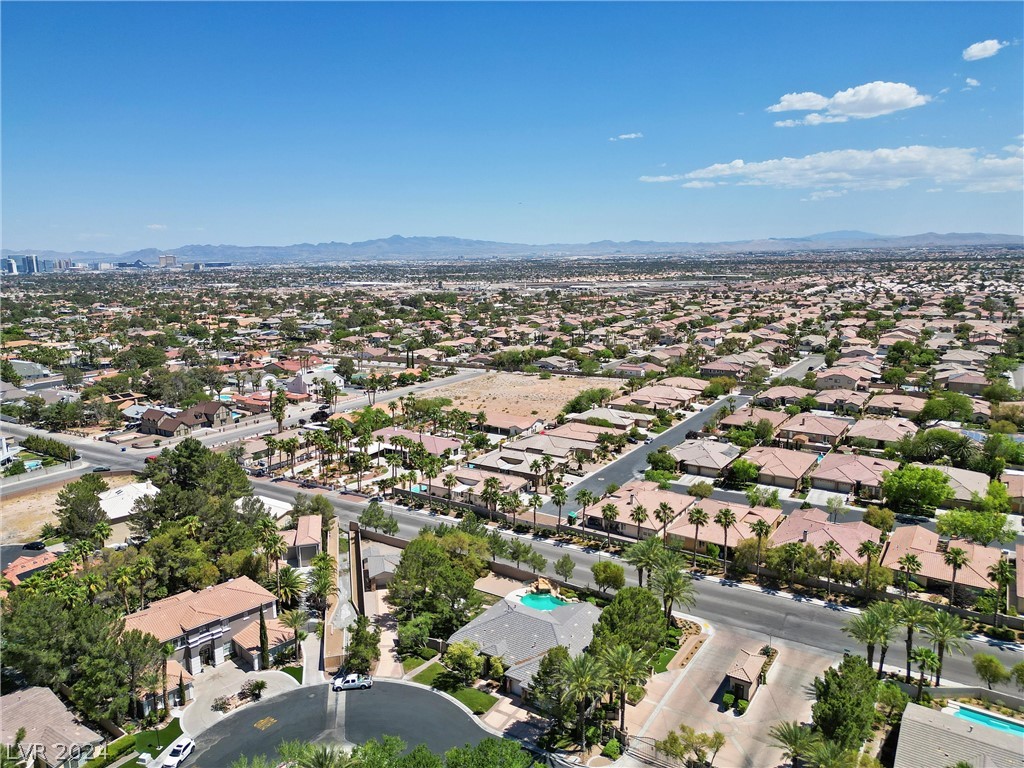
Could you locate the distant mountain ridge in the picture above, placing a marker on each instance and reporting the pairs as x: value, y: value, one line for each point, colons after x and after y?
x: 398, y: 247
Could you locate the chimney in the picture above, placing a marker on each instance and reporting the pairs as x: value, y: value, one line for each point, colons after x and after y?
x: 804, y: 537
x: 632, y: 498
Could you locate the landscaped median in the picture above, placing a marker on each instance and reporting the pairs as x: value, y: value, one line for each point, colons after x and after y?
x: 438, y: 677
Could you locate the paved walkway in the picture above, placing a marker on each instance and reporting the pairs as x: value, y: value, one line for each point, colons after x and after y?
x: 379, y: 612
x: 226, y: 680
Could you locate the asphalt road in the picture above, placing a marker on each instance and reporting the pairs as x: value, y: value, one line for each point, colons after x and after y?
x: 316, y: 714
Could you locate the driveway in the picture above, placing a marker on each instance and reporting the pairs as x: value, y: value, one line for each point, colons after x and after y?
x: 695, y: 700
x: 316, y: 714
x: 225, y: 680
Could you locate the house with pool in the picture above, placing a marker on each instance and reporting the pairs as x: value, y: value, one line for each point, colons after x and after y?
x: 522, y: 627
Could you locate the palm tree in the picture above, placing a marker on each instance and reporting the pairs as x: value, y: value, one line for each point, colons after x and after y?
x: 583, y: 678
x: 290, y: 585
x: 609, y: 514
x: 625, y: 667
x: 868, y: 549
x: 865, y: 629
x: 673, y: 586
x: 796, y: 741
x: 143, y: 570
x: 639, y: 516
x: 830, y: 550
x: 584, y: 498
x: 927, y: 662
x: 910, y: 565
x: 166, y: 651
x: 123, y: 579
x: 535, y: 468
x: 956, y: 558
x: 947, y: 633
x: 762, y: 530
x: 912, y: 614
x: 885, y: 614
x: 644, y: 555
x: 190, y: 525
x: 91, y: 581
x: 509, y: 504
x: 727, y: 519
x: 559, y: 497
x: 325, y: 756
x: 663, y: 513
x: 101, y: 532
x: 449, y: 482
x: 296, y: 621
x: 1002, y: 574
x: 536, y: 502
x: 491, y: 493
x: 698, y: 518
x: 829, y: 754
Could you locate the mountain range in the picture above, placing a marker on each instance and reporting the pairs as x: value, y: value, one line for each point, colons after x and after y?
x: 398, y: 248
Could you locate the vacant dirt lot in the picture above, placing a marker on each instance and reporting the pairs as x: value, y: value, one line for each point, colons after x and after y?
x: 517, y: 394
x: 24, y: 515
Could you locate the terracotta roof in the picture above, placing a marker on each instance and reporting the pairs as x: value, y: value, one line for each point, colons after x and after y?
x: 747, y: 667
x: 782, y: 462
x: 812, y: 526
x: 306, y: 532
x: 712, y: 533
x: 853, y: 469
x: 913, y: 539
x: 277, y: 634
x: 886, y: 430
x: 809, y: 424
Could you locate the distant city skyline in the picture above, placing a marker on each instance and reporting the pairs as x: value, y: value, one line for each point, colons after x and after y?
x: 137, y: 125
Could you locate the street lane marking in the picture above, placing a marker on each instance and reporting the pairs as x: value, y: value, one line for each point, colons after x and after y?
x: 265, y: 723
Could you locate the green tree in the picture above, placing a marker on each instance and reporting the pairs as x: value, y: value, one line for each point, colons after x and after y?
x: 625, y: 667
x: 645, y: 555
x: 295, y: 621
x: 828, y: 754
x: 830, y: 550
x: 583, y: 679
x: 725, y: 518
x: 608, y: 575
x: 634, y: 617
x: 990, y: 669
x: 564, y: 567
x: 844, y: 706
x: 913, y: 615
x: 559, y: 497
x: 278, y: 406
x: 915, y: 490
x: 956, y: 558
x: 8, y: 374
x: 78, y: 507
x: 264, y: 642
x: 881, y: 518
x: 975, y: 525
x: 761, y: 530
x: 927, y: 662
x: 795, y: 740
x: 1003, y: 574
x: 698, y: 518
x: 947, y: 633
x: 463, y: 659
x: 138, y: 652
x: 674, y: 587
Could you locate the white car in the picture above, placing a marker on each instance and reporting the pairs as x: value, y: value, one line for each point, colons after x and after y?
x: 349, y: 682
x: 179, y: 752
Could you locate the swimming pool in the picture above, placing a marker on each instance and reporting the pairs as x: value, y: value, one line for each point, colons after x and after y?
x: 542, y: 602
x: 998, y: 722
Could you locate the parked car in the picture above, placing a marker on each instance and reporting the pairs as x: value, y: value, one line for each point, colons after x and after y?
x: 349, y: 682
x: 101, y: 469
x: 378, y: 499
x: 179, y: 752
x: 35, y: 545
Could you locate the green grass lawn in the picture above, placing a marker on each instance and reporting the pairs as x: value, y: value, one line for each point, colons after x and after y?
x: 411, y: 662
x: 478, y: 701
x: 429, y: 675
x: 661, y: 663
x: 295, y: 672
x: 154, y: 744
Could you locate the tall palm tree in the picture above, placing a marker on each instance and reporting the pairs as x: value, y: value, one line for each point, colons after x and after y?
x: 639, y: 516
x: 582, y: 679
x: 762, y: 530
x: 644, y: 555
x: 664, y: 514
x: 91, y: 581
x: 166, y: 651
x: 830, y: 550
x: 536, y: 502
x: 325, y: 756
x: 290, y: 585
x: 829, y: 754
x: 868, y: 549
x: 795, y: 740
x: 449, y: 482
x: 1002, y: 574
x: 559, y: 497
x: 865, y: 628
x: 698, y: 518
x: 673, y: 586
x: 609, y: 514
x: 123, y: 579
x: 143, y: 570
x: 885, y: 614
x: 625, y: 667
x: 295, y: 621
x: 914, y: 615
x: 100, y: 533
x: 927, y: 662
x: 947, y: 633
x: 910, y: 565
x: 584, y: 498
x: 727, y: 519
x: 956, y: 558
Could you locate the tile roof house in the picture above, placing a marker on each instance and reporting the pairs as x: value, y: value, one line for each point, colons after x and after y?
x: 303, y: 541
x: 26, y: 566
x: 893, y: 404
x: 247, y: 641
x: 925, y: 544
x: 751, y: 415
x: 780, y: 466
x: 818, y: 430
x: 202, y: 625
x: 1015, y: 489
x: 776, y: 397
x: 841, y: 400
x: 51, y: 731
x: 811, y: 526
x: 636, y: 493
x: 682, y: 531
x: 706, y: 458
x: 521, y: 636
x: 882, y: 432
x: 964, y: 482
x: 852, y: 473
x: 208, y: 414
x: 928, y: 737
x: 844, y: 378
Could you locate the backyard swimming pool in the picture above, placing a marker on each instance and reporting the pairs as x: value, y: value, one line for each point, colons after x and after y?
x: 542, y: 602
x: 998, y: 722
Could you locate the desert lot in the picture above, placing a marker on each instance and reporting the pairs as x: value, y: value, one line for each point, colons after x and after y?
x: 518, y: 394
x: 25, y: 514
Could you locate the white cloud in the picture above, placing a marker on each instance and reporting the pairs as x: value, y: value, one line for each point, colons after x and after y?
x: 856, y: 169
x: 626, y: 136
x: 971, y: 82
x: 944, y: 91
x: 156, y: 226
x: 860, y: 102
x: 700, y: 184
x: 823, y: 194
x: 982, y: 50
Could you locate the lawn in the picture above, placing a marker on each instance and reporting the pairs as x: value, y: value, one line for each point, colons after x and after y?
x: 411, y: 662
x: 661, y: 663
x: 154, y: 742
x: 477, y: 701
x: 295, y: 672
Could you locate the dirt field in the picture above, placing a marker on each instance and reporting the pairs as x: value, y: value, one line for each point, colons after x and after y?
x: 517, y: 394
x: 23, y: 516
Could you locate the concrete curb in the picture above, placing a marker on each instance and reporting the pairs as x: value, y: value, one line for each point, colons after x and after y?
x: 497, y: 734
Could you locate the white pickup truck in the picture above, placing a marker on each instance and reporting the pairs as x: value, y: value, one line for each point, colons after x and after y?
x: 348, y: 682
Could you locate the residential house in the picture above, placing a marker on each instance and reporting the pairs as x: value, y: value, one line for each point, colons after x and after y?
x: 749, y: 415
x: 681, y: 531
x: 26, y: 566
x: 813, y: 429
x: 521, y: 636
x: 508, y: 425
x: 470, y: 485
x: 856, y: 379
x: 851, y: 473
x: 777, y: 397
x: 966, y: 383
x: 929, y: 737
x: 841, y: 400
x: 304, y: 541
x: 209, y: 414
x: 616, y: 415
x: 119, y: 502
x: 930, y: 551
x: 657, y: 397
x: 879, y: 433
x: 1015, y: 489
x: 812, y: 526
x: 966, y: 484
x: 53, y: 736
x: 781, y: 467
x: 379, y: 564
x: 435, y: 446
x: 707, y: 458
x: 639, y: 493
x: 893, y: 404
x: 633, y: 370
x: 247, y: 641
x: 202, y: 625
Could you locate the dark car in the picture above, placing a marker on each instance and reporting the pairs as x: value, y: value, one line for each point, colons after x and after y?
x: 35, y: 545
x: 318, y: 417
x: 101, y: 469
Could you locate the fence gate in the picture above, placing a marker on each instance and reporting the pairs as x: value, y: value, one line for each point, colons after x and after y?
x: 642, y: 748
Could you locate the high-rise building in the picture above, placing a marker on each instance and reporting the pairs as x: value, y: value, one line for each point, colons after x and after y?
x: 168, y: 260
x: 46, y: 265
x: 29, y: 264
x: 10, y: 267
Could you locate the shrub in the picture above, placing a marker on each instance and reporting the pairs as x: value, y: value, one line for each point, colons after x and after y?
x: 221, y: 704
x: 426, y: 653
x: 728, y: 700
x: 741, y: 706
x: 612, y: 750
x: 635, y: 694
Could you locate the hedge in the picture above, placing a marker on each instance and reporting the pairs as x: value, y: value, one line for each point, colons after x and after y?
x: 49, y: 447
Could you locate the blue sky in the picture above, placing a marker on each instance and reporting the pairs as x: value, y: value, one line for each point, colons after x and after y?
x: 131, y: 125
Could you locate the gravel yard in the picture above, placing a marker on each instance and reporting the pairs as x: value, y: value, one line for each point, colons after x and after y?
x: 518, y: 394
